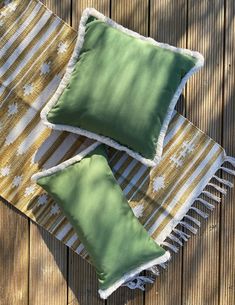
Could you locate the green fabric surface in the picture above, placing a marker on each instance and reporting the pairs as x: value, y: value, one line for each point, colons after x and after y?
x: 121, y: 88
x: 91, y: 198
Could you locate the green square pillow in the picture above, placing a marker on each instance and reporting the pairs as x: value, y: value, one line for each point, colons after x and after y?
x: 120, y: 88
x: 93, y: 202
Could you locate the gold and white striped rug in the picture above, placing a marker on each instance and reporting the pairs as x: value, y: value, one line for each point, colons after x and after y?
x: 35, y: 47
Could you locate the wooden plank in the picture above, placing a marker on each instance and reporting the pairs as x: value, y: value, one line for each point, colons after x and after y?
x: 62, y: 8
x: 227, y: 247
x: 78, y: 6
x: 132, y: 14
x: 48, y: 268
x: 48, y: 256
x: 168, y: 21
x: 204, y: 108
x: 14, y: 256
x: 82, y: 280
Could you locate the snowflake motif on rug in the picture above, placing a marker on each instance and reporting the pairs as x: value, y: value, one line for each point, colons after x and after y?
x: 42, y: 199
x: 188, y: 147
x: 158, y: 183
x: 16, y: 181
x: 29, y: 190
x: 5, y: 171
x: 45, y: 68
x: 138, y: 210
x: 12, y: 109
x: 176, y: 161
x: 3, y: 14
x: 62, y: 47
x: 12, y: 6
x: 54, y: 209
x: 28, y: 89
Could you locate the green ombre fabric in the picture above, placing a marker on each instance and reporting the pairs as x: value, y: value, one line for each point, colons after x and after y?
x: 92, y: 200
x: 121, y: 88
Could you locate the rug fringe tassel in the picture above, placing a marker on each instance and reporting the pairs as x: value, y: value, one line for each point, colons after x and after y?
x: 211, y: 196
x: 176, y: 239
x: 188, y: 227
x: 197, y: 222
x: 182, y: 234
x: 170, y: 246
x: 218, y: 188
x: 228, y: 170
x: 200, y: 212
x: 223, y: 181
x: 163, y: 265
x: 230, y: 160
x: 138, y: 282
x: 154, y: 270
x: 207, y: 204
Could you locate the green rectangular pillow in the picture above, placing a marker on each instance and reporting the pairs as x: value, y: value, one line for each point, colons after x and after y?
x: 120, y: 88
x: 90, y: 197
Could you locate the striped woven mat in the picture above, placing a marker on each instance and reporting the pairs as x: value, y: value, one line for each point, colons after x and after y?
x: 35, y: 47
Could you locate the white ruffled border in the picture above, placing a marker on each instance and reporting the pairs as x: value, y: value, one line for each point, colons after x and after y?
x: 129, y: 275
x: 70, y: 67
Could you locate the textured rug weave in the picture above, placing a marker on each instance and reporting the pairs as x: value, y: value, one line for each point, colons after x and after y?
x: 35, y: 47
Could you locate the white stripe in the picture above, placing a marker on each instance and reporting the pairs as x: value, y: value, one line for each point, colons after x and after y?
x: 61, y: 234
x: 33, y: 110
x: 184, y: 188
x: 20, y: 30
x: 31, y: 138
x: 120, y: 162
x: 72, y: 240
x: 113, y: 156
x: 59, y: 153
x: 45, y: 146
x: 175, y: 129
x: 23, y: 45
x: 16, y: 21
x: 79, y: 249
x: 2, y: 89
x: 127, y: 171
x: 48, y: 45
x: 135, y: 179
x: 57, y: 222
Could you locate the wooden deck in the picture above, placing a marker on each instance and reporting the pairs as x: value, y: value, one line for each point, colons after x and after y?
x: 36, y: 269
